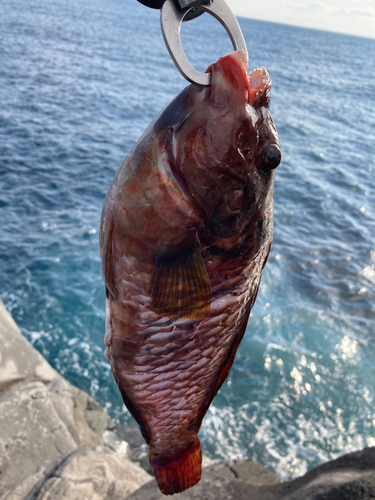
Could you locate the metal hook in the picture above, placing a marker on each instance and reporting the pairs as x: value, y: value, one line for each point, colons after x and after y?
x: 171, y: 18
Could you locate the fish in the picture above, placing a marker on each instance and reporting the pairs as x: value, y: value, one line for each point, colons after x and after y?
x: 185, y: 233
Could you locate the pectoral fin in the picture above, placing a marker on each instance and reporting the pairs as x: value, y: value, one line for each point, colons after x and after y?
x: 180, y: 286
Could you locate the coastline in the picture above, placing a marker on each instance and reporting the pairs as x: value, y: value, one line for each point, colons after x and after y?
x: 57, y: 442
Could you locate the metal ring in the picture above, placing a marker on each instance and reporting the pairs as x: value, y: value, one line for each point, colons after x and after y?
x: 171, y: 18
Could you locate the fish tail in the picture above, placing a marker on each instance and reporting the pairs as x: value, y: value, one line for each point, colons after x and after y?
x: 182, y: 472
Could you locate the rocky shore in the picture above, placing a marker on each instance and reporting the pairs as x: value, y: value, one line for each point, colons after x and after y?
x: 57, y: 443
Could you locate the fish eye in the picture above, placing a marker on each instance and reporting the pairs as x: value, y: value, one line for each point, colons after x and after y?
x: 271, y: 158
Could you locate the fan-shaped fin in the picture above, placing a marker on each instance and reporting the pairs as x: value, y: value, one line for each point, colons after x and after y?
x: 180, y: 286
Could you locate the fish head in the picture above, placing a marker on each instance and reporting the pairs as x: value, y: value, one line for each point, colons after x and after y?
x: 227, y: 148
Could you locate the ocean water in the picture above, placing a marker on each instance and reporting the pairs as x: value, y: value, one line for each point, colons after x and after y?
x: 79, y: 82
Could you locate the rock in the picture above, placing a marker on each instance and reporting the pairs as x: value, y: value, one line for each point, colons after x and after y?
x: 86, y: 474
x: 144, y: 462
x: 210, y: 487
x: 121, y: 447
x: 31, y: 434
x: 63, y: 402
x: 130, y: 433
x: 351, y: 477
x: 206, y: 461
x: 21, y: 490
x: 82, y: 415
x: 97, y: 418
x: 20, y: 363
x: 248, y: 471
x: 88, y: 417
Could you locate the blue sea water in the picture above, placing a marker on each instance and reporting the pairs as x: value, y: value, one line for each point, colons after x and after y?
x: 79, y: 82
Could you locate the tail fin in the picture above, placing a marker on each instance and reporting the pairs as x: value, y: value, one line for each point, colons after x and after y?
x: 182, y: 472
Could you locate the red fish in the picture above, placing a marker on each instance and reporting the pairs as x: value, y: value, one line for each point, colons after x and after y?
x: 186, y: 230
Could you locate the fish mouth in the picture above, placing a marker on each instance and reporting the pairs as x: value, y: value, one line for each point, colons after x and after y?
x: 259, y: 83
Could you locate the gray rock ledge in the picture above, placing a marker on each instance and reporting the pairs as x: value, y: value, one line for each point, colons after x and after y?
x: 351, y: 477
x: 85, y: 474
x: 20, y: 363
x: 31, y: 433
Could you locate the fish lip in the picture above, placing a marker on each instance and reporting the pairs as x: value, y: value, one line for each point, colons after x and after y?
x: 259, y: 83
